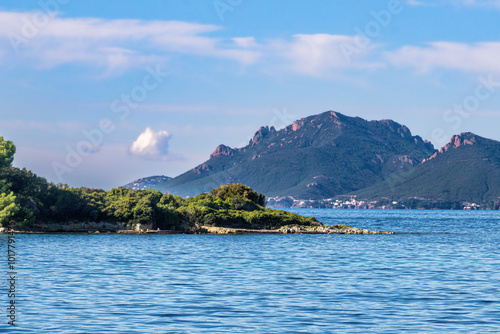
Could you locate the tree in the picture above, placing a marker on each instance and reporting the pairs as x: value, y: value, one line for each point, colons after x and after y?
x: 234, y: 190
x: 8, y: 208
x: 7, y: 151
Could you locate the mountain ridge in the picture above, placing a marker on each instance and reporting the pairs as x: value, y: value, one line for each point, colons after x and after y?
x: 467, y: 169
x: 330, y: 154
x: 319, y: 155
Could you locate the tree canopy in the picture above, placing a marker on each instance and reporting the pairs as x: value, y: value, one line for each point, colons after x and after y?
x: 8, y: 208
x: 236, y: 190
x: 7, y: 151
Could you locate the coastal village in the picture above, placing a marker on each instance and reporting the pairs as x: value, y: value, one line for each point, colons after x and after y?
x: 350, y: 202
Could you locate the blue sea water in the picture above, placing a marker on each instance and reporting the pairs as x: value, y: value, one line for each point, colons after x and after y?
x: 440, y: 275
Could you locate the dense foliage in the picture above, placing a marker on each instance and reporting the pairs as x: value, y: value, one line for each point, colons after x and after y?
x: 237, y: 192
x: 28, y: 200
x: 7, y: 151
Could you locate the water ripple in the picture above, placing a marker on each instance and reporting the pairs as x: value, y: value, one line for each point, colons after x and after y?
x: 443, y: 280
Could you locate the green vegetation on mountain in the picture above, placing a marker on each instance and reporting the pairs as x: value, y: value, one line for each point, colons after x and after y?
x: 316, y: 157
x: 467, y: 169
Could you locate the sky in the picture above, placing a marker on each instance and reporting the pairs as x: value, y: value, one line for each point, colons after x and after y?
x: 100, y: 93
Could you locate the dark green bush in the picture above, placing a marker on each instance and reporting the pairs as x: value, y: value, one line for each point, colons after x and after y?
x: 235, y: 190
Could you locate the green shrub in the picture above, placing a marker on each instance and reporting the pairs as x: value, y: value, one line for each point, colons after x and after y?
x: 342, y: 227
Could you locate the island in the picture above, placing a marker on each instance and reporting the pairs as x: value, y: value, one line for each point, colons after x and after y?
x: 29, y: 203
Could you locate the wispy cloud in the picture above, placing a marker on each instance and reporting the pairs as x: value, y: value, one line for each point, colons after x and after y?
x: 482, y: 3
x: 66, y: 126
x: 114, y: 44
x: 27, y: 125
x: 416, y: 3
x: 118, y: 45
x: 476, y: 57
x: 319, y: 54
x: 468, y: 3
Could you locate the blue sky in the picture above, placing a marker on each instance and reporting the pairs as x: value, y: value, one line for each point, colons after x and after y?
x: 101, y: 93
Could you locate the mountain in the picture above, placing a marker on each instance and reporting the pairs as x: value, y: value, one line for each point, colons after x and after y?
x: 147, y: 182
x: 315, y: 157
x: 466, y: 169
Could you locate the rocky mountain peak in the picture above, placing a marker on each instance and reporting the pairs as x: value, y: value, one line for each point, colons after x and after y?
x: 402, y: 130
x: 262, y: 133
x: 466, y: 138
x: 222, y: 150
x: 298, y: 124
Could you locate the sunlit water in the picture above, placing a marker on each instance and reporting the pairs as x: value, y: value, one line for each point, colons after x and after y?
x: 444, y: 279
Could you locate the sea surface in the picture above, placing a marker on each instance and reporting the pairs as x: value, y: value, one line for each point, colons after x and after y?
x: 441, y: 274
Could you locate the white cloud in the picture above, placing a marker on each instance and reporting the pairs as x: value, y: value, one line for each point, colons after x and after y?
x: 245, y: 42
x: 317, y: 54
x: 151, y: 144
x: 118, y: 45
x: 477, y: 57
x: 115, y: 44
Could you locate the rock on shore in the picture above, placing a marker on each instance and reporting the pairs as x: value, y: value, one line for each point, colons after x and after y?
x: 296, y: 229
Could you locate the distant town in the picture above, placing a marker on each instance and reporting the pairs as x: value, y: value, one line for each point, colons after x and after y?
x: 350, y: 202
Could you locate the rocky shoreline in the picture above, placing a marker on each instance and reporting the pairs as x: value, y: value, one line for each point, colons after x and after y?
x: 325, y: 229
x: 296, y: 229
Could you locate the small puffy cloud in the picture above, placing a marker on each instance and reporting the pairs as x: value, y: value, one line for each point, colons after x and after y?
x: 151, y: 144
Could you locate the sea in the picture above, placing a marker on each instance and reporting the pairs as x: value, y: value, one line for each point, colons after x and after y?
x: 440, y: 273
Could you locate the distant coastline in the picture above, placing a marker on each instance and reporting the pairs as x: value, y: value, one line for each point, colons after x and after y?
x: 290, y: 202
